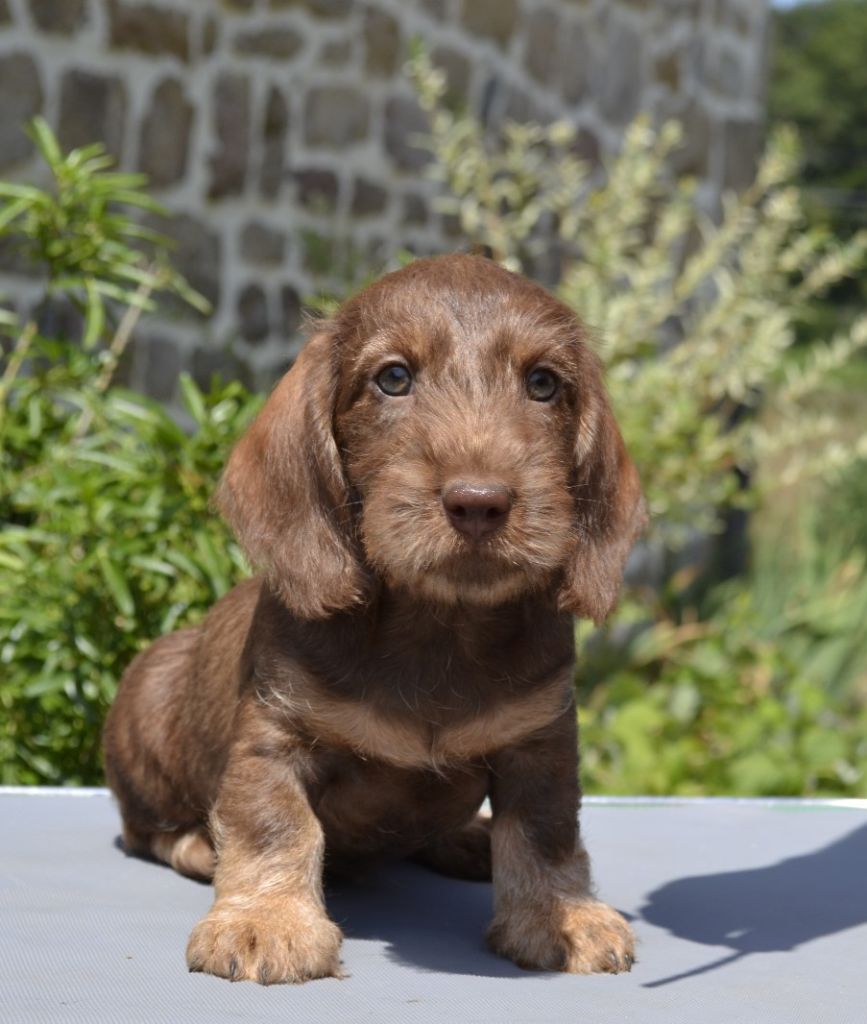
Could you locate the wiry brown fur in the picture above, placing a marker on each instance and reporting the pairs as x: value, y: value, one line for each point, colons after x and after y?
x: 388, y: 672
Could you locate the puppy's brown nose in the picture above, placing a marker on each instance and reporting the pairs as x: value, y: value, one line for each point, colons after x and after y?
x: 476, y: 509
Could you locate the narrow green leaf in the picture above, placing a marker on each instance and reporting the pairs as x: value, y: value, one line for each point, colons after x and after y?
x: 133, y: 230
x: 44, y: 684
x: 125, y: 466
x: 84, y: 157
x: 116, y: 583
x: 140, y: 200
x: 141, y: 275
x: 184, y: 563
x: 190, y: 295
x: 94, y: 320
x: 121, y: 180
x: 212, y: 562
x: 192, y: 397
x: 34, y: 418
x: 15, y: 191
x: 135, y: 407
x: 87, y: 648
x: 12, y: 562
x: 170, y: 619
x: 13, y: 210
x: 96, y: 163
x: 124, y: 295
x: 27, y: 535
x: 46, y: 141
x: 156, y: 565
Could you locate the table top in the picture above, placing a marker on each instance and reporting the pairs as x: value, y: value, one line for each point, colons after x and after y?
x: 745, y: 911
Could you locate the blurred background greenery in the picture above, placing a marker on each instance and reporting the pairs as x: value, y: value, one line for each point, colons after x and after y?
x: 737, y: 662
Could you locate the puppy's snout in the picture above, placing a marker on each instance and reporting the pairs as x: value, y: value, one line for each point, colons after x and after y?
x: 476, y: 509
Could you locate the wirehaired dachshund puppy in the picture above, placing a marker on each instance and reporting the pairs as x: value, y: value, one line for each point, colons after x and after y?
x: 431, y: 493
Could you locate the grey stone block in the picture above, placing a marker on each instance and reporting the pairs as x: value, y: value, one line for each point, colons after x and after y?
x: 165, y: 134
x: 231, y: 100
x: 404, y: 119
x: 262, y: 245
x: 492, y: 19
x: 62, y: 17
x: 253, y: 313
x: 92, y: 109
x: 335, y: 115
x: 149, y: 28
x: 20, y: 100
x: 274, y: 133
x: 274, y: 42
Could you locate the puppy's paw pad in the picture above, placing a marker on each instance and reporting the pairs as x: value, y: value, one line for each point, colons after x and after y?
x: 267, y: 948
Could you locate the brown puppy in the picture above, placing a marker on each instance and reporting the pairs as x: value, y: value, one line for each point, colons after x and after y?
x: 432, y: 491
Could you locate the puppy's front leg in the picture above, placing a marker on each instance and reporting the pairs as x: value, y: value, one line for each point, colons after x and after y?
x: 268, y: 922
x: 546, y: 915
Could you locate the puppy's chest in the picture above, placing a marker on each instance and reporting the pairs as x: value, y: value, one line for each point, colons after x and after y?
x: 409, y: 727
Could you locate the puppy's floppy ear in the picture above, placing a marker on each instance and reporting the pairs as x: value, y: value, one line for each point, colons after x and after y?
x: 610, y: 511
x: 285, y: 495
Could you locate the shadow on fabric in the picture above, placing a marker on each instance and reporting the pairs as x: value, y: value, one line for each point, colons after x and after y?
x: 426, y: 920
x: 766, y: 910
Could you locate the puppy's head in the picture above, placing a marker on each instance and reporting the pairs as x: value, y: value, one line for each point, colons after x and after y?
x: 447, y: 432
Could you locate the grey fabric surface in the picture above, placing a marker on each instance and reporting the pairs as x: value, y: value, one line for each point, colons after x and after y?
x: 751, y: 912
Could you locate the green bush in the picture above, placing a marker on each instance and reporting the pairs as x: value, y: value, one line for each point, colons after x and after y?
x: 109, y: 542
x: 763, y: 693
x: 107, y: 538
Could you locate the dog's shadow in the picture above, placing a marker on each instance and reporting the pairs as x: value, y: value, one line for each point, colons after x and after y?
x: 428, y: 921
x: 773, y: 909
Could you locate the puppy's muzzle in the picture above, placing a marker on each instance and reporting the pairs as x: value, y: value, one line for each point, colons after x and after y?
x: 476, y: 510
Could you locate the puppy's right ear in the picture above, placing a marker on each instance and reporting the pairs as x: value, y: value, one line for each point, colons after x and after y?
x: 285, y: 495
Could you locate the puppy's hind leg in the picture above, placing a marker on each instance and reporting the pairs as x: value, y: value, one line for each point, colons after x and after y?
x: 189, y: 851
x: 163, y: 811
x: 463, y: 853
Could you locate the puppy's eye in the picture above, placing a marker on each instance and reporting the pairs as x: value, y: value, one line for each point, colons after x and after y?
x: 542, y: 384
x: 394, y: 380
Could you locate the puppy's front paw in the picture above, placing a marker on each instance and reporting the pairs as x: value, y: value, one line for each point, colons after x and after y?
x: 587, y: 937
x: 291, y: 942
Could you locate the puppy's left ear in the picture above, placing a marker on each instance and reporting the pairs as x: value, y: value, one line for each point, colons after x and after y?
x: 610, y: 512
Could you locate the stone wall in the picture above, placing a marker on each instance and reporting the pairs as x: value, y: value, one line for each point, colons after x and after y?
x: 280, y: 131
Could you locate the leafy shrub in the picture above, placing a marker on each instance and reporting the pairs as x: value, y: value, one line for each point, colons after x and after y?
x: 109, y: 542
x: 766, y: 692
x: 848, y: 504
x: 107, y: 539
x: 720, y: 711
